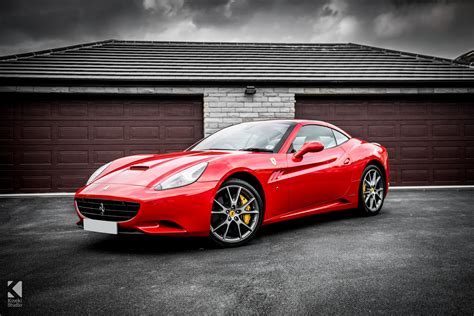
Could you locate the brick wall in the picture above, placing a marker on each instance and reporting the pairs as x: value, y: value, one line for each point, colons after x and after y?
x: 228, y: 106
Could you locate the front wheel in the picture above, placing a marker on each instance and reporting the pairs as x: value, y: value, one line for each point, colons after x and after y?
x: 237, y: 213
x: 371, y: 191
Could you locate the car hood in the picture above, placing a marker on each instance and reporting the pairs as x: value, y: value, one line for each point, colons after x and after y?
x: 146, y: 170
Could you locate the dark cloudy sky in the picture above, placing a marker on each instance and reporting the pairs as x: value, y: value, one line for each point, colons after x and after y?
x: 440, y: 28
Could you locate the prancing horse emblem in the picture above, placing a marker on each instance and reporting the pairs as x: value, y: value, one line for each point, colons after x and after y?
x: 102, y: 209
x: 273, y: 160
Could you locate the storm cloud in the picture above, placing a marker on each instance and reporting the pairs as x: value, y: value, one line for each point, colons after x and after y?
x: 438, y: 28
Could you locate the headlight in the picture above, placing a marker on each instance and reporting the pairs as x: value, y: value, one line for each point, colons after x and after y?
x: 182, y: 178
x: 97, y: 173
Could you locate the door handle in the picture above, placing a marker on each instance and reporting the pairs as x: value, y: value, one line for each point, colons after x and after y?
x: 347, y: 161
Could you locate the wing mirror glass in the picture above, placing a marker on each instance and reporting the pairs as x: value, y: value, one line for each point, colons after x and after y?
x: 309, y: 147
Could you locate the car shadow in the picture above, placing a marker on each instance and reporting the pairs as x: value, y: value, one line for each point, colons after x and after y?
x: 308, y: 221
x: 146, y: 244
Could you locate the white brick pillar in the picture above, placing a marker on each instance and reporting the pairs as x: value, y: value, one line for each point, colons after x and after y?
x: 228, y: 106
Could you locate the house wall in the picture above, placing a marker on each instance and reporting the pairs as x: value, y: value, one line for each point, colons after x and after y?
x: 225, y: 106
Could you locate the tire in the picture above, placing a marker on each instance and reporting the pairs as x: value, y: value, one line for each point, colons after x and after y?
x: 236, y: 214
x: 371, y: 200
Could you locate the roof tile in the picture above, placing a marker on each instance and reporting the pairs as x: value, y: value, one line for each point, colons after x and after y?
x: 213, y: 61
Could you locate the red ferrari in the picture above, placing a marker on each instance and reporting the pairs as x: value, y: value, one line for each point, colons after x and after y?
x: 229, y: 184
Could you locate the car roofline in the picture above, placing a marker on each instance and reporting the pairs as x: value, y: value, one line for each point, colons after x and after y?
x: 322, y: 123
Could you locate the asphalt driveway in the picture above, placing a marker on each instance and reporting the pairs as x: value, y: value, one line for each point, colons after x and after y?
x: 417, y: 256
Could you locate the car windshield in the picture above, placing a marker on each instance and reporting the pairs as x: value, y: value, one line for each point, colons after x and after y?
x: 252, y: 136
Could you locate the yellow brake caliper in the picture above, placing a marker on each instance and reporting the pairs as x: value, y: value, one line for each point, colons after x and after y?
x: 246, y: 217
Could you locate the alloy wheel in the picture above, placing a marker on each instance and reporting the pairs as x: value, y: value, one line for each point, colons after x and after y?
x: 235, y: 214
x: 373, y: 190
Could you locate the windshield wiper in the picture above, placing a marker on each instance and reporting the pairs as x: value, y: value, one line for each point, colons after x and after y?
x: 220, y: 149
x: 256, y: 149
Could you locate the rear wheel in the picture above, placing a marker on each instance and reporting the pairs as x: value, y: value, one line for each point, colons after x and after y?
x: 237, y: 213
x: 372, y: 190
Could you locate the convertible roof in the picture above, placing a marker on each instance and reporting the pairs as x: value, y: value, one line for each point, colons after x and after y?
x: 236, y: 62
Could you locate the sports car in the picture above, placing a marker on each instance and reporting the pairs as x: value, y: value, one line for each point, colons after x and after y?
x: 228, y: 185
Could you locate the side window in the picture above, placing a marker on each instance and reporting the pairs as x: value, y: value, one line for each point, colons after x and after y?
x: 311, y: 133
x: 340, y: 138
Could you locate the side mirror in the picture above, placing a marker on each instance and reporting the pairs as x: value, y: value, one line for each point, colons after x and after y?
x: 309, y: 147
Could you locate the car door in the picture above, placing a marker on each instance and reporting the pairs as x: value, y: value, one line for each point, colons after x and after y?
x: 318, y: 177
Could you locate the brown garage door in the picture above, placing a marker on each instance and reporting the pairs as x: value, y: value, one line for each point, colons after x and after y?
x: 51, y: 144
x: 430, y: 139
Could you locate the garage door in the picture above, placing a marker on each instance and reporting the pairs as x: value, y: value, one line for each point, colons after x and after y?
x: 430, y: 140
x: 52, y: 144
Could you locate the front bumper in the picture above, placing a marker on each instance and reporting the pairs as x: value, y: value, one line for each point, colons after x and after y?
x: 175, y: 212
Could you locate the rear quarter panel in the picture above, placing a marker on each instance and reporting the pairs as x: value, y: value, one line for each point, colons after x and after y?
x: 361, y: 154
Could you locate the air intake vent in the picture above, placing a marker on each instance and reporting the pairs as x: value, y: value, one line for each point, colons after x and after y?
x: 139, y: 167
x: 107, y: 210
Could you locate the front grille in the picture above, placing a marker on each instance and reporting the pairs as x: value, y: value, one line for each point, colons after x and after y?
x: 107, y: 210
